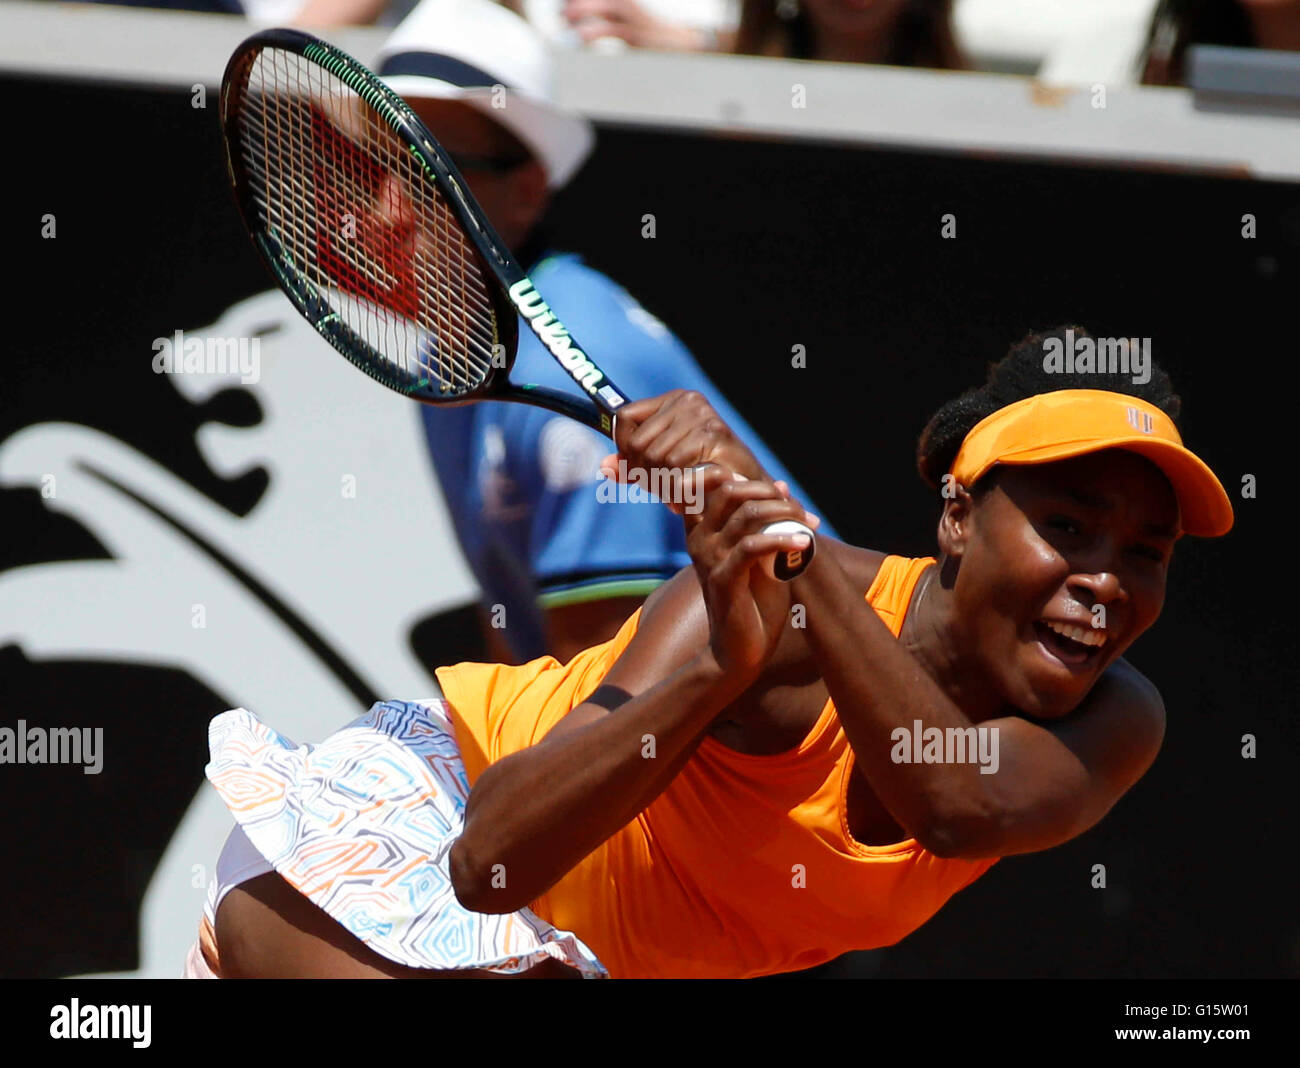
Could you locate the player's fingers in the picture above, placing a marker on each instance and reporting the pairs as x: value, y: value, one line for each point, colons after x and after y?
x: 733, y: 567
x: 681, y: 490
x: 755, y: 516
x: 689, y: 488
x: 702, y: 482
x: 710, y: 440
x: 630, y: 417
x: 703, y: 441
x: 652, y: 424
x: 809, y: 519
x: 699, y: 487
x: 657, y: 432
x: 687, y: 431
x: 718, y: 501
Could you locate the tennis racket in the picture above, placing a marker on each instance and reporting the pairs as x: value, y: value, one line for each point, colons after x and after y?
x: 367, y: 225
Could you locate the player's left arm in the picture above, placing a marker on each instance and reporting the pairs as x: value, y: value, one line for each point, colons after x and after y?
x: 1057, y: 779
x: 1047, y: 780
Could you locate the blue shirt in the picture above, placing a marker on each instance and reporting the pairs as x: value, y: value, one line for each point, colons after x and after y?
x: 538, y: 524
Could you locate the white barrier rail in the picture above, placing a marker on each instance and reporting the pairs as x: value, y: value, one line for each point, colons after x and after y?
x: 732, y: 95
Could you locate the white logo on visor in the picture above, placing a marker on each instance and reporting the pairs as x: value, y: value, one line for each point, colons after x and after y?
x: 1141, y: 420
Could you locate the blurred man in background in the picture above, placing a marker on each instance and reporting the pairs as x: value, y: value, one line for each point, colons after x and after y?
x: 902, y: 33
x: 560, y: 568
x: 1179, y: 24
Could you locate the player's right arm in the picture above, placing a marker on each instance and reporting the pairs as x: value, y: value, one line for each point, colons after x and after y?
x: 702, y: 641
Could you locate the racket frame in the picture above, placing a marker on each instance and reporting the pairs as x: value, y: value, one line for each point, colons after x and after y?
x: 513, y: 297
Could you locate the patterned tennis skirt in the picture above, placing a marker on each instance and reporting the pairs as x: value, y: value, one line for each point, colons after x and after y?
x: 362, y: 825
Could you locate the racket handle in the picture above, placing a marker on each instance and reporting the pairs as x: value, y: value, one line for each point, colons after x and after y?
x: 785, y: 565
x: 790, y: 563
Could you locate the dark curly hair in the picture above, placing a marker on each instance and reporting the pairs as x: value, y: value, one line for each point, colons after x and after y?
x: 1020, y: 374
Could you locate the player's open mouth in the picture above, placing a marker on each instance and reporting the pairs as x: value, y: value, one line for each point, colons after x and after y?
x: 1072, y: 645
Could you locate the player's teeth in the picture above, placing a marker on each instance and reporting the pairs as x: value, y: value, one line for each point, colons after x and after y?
x: 1080, y: 634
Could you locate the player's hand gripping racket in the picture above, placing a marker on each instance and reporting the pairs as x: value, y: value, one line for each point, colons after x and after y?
x: 371, y: 231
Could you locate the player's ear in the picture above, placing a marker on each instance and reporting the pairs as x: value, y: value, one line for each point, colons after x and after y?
x: 954, y: 522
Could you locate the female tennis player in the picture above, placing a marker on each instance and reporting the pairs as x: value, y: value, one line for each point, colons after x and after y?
x: 752, y: 776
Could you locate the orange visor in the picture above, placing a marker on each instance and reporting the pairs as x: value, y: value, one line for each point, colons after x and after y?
x: 1074, y: 422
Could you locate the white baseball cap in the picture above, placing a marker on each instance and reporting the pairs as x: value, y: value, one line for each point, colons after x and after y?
x: 465, y: 50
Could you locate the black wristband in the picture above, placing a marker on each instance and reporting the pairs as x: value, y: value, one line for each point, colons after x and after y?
x: 608, y: 697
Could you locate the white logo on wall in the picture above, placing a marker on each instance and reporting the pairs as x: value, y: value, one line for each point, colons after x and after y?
x: 310, y: 546
x: 570, y: 454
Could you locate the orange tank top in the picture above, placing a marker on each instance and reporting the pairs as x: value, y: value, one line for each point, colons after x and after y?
x: 744, y: 865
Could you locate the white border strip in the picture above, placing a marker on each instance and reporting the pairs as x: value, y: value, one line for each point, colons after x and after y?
x: 137, y: 46
x: 727, y: 95
x: 961, y: 112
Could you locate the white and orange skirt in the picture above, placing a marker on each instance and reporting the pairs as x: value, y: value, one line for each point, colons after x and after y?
x: 362, y: 825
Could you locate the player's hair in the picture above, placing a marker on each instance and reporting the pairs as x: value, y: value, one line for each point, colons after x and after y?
x: 1020, y: 374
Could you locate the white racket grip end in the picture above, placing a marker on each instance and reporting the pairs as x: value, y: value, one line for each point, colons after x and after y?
x: 790, y: 563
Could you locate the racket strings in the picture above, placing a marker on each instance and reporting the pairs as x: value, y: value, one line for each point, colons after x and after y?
x: 363, y: 225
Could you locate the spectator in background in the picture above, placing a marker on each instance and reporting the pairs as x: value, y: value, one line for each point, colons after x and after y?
x: 665, y: 25
x: 1275, y: 23
x: 560, y: 568
x: 662, y: 25
x: 904, y: 33
x: 305, y: 13
x: 1179, y: 24
x: 321, y: 14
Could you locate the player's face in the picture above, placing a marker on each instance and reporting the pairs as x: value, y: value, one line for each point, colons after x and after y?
x: 1063, y: 566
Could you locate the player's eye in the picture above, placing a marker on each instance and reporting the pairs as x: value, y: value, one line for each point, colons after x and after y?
x: 1065, y: 525
x: 1150, y: 552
